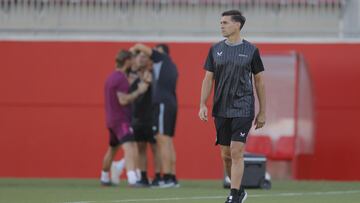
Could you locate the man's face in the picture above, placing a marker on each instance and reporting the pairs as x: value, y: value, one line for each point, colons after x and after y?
x: 141, y: 60
x: 129, y: 63
x: 228, y: 26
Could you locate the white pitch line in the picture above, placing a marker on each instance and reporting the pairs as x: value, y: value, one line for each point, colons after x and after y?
x: 221, y: 197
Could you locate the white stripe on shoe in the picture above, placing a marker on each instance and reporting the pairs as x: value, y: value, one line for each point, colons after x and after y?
x: 245, y: 197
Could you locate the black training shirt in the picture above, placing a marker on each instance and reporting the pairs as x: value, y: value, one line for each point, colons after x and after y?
x: 164, y: 81
x: 141, y: 108
x: 233, y: 67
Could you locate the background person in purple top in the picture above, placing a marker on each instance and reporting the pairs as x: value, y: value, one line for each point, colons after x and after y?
x: 118, y: 117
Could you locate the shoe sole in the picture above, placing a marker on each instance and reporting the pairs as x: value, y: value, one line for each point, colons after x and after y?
x: 106, y: 184
x: 167, y: 185
x: 137, y: 186
x: 245, y: 197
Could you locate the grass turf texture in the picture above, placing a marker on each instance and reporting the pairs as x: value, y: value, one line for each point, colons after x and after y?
x: 89, y: 191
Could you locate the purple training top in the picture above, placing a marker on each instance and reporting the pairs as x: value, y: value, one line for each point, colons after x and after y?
x: 117, y: 116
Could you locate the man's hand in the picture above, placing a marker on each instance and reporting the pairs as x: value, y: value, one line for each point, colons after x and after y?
x: 142, y: 87
x: 260, y: 120
x: 203, y: 113
x: 147, y: 77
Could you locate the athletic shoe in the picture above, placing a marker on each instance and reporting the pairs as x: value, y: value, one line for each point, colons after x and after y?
x: 136, y: 185
x: 242, y: 197
x: 176, y: 183
x: 232, y: 199
x: 227, y: 182
x: 157, y: 182
x: 143, y: 183
x: 167, y: 184
x: 107, y: 184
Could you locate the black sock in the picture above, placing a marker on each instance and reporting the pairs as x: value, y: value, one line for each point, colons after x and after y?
x: 167, y: 176
x: 157, y: 175
x: 174, y: 177
x: 143, y: 175
x: 234, y: 192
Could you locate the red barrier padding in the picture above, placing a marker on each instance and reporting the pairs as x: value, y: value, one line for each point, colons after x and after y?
x: 51, y: 108
x: 284, y: 148
x: 259, y: 144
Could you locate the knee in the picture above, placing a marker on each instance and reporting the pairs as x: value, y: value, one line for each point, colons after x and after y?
x: 237, y: 154
x: 142, y: 148
x: 226, y: 156
x: 111, y: 152
x: 130, y: 149
x: 173, y: 160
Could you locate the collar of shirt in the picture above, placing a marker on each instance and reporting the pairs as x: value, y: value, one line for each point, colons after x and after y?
x: 233, y: 44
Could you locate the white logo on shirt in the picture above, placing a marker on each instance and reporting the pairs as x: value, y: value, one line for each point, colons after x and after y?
x: 219, y: 53
x: 243, y: 55
x: 242, y: 134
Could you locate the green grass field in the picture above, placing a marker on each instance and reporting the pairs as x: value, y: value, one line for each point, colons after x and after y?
x: 89, y: 191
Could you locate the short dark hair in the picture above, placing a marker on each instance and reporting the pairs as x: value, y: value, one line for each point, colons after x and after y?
x: 122, y: 57
x: 235, y: 16
x: 165, y: 47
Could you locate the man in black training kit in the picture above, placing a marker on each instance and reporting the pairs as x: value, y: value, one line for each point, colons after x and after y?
x: 141, y: 121
x: 232, y: 63
x: 164, y: 101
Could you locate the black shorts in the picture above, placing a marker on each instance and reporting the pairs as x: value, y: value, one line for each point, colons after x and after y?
x: 144, y: 133
x: 115, y: 141
x: 164, y: 119
x: 232, y: 129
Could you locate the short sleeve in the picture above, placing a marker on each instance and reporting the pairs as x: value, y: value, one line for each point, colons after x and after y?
x: 157, y: 56
x: 256, y: 63
x: 122, y: 86
x: 209, y: 63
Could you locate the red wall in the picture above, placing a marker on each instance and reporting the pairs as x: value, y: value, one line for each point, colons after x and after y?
x: 52, y: 118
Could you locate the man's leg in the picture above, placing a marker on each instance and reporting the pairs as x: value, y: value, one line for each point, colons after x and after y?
x: 234, y: 165
x: 165, y: 125
x: 240, y: 128
x: 131, y: 158
x: 165, y: 152
x: 173, y: 157
x: 142, y: 147
x: 164, y: 144
x: 226, y: 157
x: 107, y: 161
x: 157, y: 180
x: 173, y: 163
x: 108, y: 158
x: 237, y: 163
x: 157, y: 158
x: 232, y: 154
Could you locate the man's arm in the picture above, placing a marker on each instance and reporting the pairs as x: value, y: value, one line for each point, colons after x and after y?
x: 260, y: 91
x: 205, y: 93
x: 125, y: 99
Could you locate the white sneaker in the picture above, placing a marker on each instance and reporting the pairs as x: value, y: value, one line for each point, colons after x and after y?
x: 104, y: 179
x: 117, y: 168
